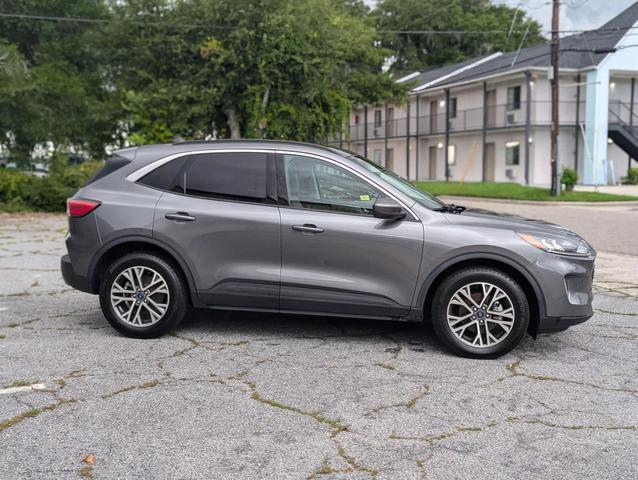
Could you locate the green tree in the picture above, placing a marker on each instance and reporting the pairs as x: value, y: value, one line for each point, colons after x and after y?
x: 249, y: 68
x: 497, y: 27
x: 60, y: 96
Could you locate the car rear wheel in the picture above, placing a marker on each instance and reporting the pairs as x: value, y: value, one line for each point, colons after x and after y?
x: 480, y: 312
x: 143, y: 295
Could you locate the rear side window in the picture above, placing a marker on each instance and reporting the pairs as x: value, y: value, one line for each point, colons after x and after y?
x: 228, y: 176
x: 169, y: 176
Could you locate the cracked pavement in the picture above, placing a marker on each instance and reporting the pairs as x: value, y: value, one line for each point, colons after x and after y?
x: 246, y: 395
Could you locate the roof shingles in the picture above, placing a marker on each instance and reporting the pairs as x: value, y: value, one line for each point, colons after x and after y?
x: 578, y: 52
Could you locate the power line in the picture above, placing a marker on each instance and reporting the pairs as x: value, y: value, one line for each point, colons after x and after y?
x: 231, y: 27
x: 573, y: 6
x: 106, y: 20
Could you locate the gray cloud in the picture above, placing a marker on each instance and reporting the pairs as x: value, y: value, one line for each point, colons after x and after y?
x: 575, y: 14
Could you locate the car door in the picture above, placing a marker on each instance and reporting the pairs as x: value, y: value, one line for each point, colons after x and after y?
x: 220, y: 213
x: 336, y: 256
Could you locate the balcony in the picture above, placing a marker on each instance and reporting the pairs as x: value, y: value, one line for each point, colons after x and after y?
x: 496, y: 117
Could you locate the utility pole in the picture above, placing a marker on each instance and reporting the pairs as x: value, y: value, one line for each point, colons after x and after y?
x: 555, y: 190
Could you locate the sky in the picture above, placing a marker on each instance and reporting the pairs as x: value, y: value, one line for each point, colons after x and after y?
x: 575, y: 14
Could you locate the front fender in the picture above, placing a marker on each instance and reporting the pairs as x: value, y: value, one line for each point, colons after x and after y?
x: 492, y: 254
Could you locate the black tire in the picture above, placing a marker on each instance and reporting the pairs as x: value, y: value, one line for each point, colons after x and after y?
x: 178, y: 295
x: 457, y: 280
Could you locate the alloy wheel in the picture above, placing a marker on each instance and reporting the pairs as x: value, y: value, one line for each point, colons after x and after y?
x: 140, y: 296
x: 480, y: 314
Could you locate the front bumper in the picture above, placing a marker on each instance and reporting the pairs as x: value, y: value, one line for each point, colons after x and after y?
x: 558, y: 324
x: 567, y: 289
x: 72, y: 279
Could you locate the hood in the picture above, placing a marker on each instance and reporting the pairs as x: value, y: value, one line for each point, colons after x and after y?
x: 506, y: 221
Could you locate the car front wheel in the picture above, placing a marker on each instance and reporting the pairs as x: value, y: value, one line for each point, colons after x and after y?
x: 143, y: 295
x: 480, y: 312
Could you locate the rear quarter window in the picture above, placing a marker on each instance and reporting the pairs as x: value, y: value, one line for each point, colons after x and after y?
x: 169, y: 176
x: 113, y: 163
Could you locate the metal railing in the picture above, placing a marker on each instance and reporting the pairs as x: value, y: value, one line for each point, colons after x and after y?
x: 496, y: 116
x: 621, y: 112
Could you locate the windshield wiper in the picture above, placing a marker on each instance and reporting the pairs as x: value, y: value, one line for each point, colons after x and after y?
x: 450, y: 208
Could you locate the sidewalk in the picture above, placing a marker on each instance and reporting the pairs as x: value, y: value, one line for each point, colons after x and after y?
x: 613, y: 189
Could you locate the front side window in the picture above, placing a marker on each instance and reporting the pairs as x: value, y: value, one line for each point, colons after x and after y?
x: 228, y: 176
x: 395, y: 180
x: 512, y: 153
x: 319, y: 185
x: 514, y: 98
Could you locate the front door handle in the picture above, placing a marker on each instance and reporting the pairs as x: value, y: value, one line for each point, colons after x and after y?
x: 179, y: 217
x: 307, y: 228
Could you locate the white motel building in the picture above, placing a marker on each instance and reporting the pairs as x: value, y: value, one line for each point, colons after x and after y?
x: 489, y: 118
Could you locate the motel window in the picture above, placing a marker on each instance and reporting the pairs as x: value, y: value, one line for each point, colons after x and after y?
x: 377, y: 118
x: 451, y: 155
x: 512, y: 153
x: 376, y: 156
x: 514, y: 98
x: 453, y: 107
x: 389, y: 159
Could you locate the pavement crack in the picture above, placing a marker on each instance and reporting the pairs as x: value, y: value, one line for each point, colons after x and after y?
x: 352, y: 465
x: 410, y: 403
x: 433, y: 438
x: 355, y: 465
x: 143, y: 386
x: 21, y: 324
x: 513, y: 368
x: 545, y: 423
x: 421, y: 464
x: 32, y: 412
x: 611, y: 312
x: 336, y: 425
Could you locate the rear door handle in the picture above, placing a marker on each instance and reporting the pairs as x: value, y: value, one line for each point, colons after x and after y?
x: 307, y: 228
x: 180, y: 217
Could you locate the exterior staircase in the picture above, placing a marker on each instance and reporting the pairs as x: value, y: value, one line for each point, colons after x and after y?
x: 623, y: 128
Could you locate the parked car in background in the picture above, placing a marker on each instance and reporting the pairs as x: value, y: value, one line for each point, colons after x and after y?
x: 299, y: 228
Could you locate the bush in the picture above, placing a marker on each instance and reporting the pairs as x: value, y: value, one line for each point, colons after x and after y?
x: 20, y: 191
x: 569, y: 178
x: 631, y: 178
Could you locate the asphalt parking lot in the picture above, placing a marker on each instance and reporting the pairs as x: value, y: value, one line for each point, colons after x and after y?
x: 231, y: 395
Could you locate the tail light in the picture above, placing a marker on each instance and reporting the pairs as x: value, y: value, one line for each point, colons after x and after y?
x: 78, y: 207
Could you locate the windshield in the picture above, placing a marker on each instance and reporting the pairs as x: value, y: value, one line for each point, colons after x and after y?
x: 419, y: 196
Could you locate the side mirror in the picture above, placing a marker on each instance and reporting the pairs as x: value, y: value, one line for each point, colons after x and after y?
x: 388, y: 209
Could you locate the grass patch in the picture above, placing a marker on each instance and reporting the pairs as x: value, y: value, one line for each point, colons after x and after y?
x: 32, y: 412
x: 515, y: 191
x: 22, y: 383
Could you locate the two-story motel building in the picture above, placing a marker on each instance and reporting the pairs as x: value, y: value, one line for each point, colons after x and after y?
x: 489, y: 118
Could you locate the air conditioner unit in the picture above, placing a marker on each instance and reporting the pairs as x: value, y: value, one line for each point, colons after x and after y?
x: 511, y: 118
x: 509, y: 173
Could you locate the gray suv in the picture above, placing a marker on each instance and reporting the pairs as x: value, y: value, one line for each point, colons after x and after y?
x: 298, y: 228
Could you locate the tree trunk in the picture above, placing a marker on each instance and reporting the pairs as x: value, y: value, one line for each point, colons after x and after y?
x: 261, y: 124
x: 231, y: 120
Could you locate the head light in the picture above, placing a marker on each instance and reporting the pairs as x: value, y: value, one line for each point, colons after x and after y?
x: 557, y: 244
